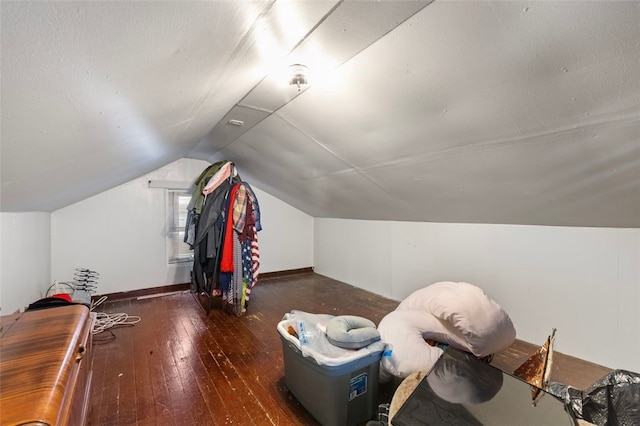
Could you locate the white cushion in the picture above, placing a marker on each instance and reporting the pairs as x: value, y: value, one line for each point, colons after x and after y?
x: 460, y: 315
x: 484, y: 325
x: 403, y: 332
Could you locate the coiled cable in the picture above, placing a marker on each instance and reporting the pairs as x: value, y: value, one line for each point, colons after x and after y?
x: 106, y: 321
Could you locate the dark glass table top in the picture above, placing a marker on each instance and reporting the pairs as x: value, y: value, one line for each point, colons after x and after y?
x: 462, y: 390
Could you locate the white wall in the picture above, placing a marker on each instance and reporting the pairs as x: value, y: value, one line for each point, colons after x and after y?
x: 286, y: 239
x: 121, y: 234
x: 25, y: 247
x: 583, y: 281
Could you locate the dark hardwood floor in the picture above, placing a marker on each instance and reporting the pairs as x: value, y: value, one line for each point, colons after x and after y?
x: 178, y: 366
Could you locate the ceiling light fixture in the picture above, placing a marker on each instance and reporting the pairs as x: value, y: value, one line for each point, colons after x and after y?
x: 298, y: 75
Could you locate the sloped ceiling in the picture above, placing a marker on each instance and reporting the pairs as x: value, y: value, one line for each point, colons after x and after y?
x: 478, y: 112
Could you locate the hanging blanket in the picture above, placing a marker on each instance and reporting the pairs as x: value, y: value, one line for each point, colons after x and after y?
x: 226, y: 261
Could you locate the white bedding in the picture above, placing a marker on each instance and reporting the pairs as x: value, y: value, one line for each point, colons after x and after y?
x: 454, y: 313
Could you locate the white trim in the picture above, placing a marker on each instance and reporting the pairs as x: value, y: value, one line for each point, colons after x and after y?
x: 171, y: 184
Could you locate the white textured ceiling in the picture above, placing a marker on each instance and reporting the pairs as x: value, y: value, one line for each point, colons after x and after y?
x: 490, y: 112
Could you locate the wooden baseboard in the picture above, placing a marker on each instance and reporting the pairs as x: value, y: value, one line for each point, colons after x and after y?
x: 566, y: 369
x: 133, y: 294
x: 286, y: 273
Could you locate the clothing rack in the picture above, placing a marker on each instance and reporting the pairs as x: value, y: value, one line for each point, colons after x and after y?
x: 223, y: 219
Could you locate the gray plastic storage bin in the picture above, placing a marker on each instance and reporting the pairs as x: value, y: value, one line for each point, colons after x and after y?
x: 340, y: 395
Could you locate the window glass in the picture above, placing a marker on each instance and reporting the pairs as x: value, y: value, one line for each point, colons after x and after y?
x: 178, y: 250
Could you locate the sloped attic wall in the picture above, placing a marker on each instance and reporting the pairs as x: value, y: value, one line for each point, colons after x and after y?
x: 521, y: 112
x: 121, y: 233
x: 468, y: 112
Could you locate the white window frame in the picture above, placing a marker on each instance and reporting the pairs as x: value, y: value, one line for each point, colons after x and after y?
x: 178, y: 252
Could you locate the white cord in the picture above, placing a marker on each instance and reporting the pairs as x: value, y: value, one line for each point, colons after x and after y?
x: 98, y: 302
x: 105, y: 321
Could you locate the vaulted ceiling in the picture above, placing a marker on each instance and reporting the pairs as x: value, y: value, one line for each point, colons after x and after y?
x: 473, y: 111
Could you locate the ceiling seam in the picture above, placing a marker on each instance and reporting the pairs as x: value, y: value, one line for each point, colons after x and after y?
x: 306, y: 36
x: 227, y: 65
x: 497, y: 144
x: 427, y: 3
x: 355, y: 168
x: 239, y: 103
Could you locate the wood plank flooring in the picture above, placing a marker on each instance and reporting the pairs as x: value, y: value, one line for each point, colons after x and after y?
x: 178, y: 366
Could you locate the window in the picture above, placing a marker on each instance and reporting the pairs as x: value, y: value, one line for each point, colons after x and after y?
x: 178, y: 250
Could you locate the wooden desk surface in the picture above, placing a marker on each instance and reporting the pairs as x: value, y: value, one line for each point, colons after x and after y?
x: 37, y: 356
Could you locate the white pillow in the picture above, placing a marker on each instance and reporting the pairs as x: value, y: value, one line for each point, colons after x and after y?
x: 484, y: 325
x: 403, y: 332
